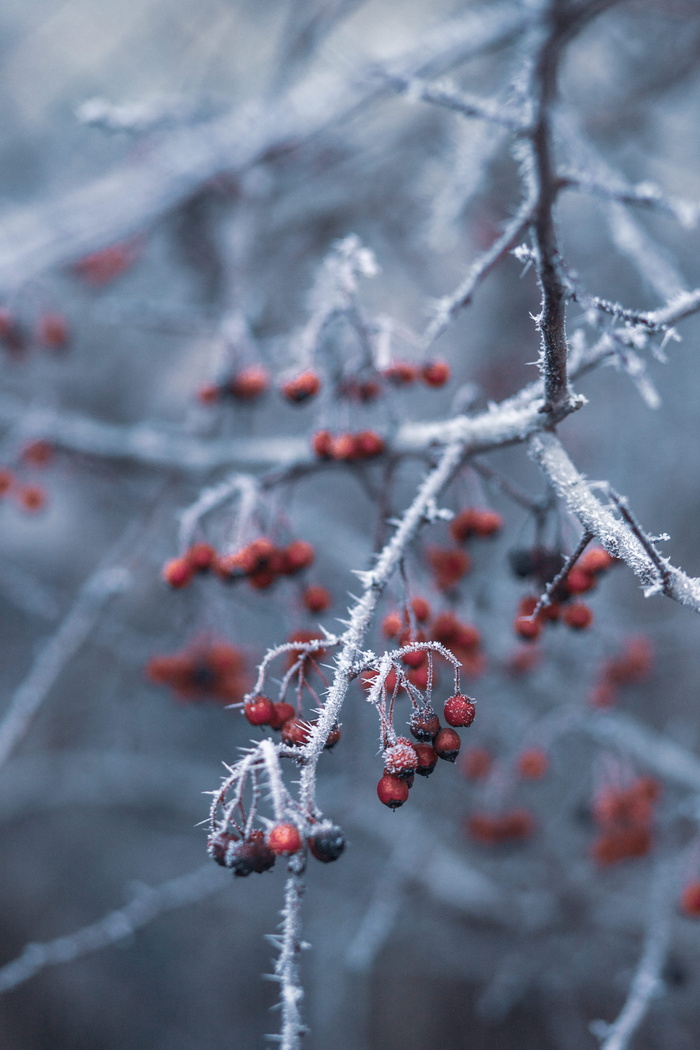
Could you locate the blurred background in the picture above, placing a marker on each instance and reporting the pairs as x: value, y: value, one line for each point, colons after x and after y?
x: 117, y: 131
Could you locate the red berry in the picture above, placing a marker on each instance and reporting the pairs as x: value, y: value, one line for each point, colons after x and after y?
x: 297, y: 556
x: 527, y: 628
x: 401, y: 373
x: 476, y: 763
x: 368, y: 444
x: 421, y: 609
x: 449, y: 565
x: 38, y: 453
x: 201, y: 556
x: 392, y: 624
x: 218, y: 846
x: 427, y: 759
x: 295, y: 732
x: 459, y: 711
x: 6, y: 480
x: 435, y: 373
x: 52, y: 331
x: 344, y: 448
x: 578, y: 581
x: 302, y: 387
x: 400, y: 759
x: 602, y: 695
x: 253, y: 854
x: 326, y: 843
x: 690, y: 900
x: 424, y: 725
x: 416, y: 658
x: 596, y: 560
x: 177, y: 572
x: 447, y: 744
x: 208, y: 394
x: 486, y: 523
x: 103, y: 266
x: 533, y: 764
x: 31, y: 498
x: 577, y: 616
x: 392, y: 791
x: 251, y: 382
x: 316, y: 599
x: 260, y: 711
x: 282, y: 712
x: 284, y: 838
x: 322, y: 444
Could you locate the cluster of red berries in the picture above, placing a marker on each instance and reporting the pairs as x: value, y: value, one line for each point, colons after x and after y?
x: 479, y: 522
x: 31, y: 498
x: 101, y: 267
x: 248, y: 384
x: 404, y: 758
x: 624, y: 817
x: 491, y: 829
x: 260, y: 561
x: 257, y: 852
x: 582, y: 577
x: 690, y: 900
x: 451, y: 564
x: 261, y: 711
x: 347, y: 447
x: 50, y: 332
x: 462, y: 639
x: 402, y: 373
x: 316, y: 599
x: 204, y: 671
x: 632, y: 666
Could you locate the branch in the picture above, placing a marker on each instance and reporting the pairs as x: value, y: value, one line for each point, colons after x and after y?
x: 287, y: 965
x: 616, y: 536
x: 147, y: 905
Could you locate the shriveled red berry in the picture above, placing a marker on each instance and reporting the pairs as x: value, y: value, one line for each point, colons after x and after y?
x: 297, y: 556
x: 296, y: 732
x: 577, y: 616
x: 178, y: 572
x: 690, y: 900
x: 251, y: 382
x: 533, y: 763
x: 424, y: 725
x: 447, y: 744
x: 427, y: 759
x: 327, y: 842
x: 435, y: 373
x: 459, y: 710
x: 400, y: 758
x: 259, y: 711
x: 219, y: 844
x: 302, y: 387
x: 392, y: 791
x: 322, y: 444
x: 284, y: 839
x: 282, y: 712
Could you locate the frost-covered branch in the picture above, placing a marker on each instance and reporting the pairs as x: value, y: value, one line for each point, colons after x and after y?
x: 287, y: 964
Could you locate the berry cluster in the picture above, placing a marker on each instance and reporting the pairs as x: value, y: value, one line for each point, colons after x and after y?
x: 624, y: 816
x: 260, y: 561
x: 491, y: 829
x: 632, y: 666
x: 347, y: 447
x: 248, y: 384
x: 402, y: 373
x: 204, y: 671
x: 255, y: 851
x: 403, y: 758
x: 29, y: 497
x: 544, y: 566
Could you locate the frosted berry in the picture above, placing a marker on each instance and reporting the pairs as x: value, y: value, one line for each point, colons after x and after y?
x: 435, y: 373
x: 326, y: 843
x: 219, y: 844
x: 578, y: 616
x: 302, y: 387
x: 392, y: 791
x: 296, y: 732
x: 260, y: 711
x: 459, y: 711
x: 251, y: 855
x: 424, y: 725
x: 447, y: 744
x: 400, y: 759
x: 284, y: 839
